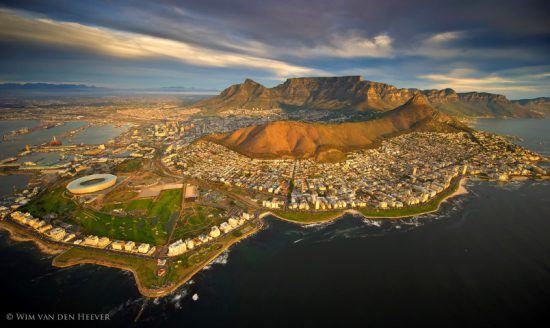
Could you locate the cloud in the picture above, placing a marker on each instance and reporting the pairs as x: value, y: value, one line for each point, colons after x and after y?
x: 444, y: 37
x: 540, y: 76
x: 349, y: 45
x: 454, y: 45
x: 118, y: 44
x: 463, y: 80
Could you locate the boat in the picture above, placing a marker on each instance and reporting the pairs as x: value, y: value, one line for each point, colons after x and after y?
x: 55, y: 142
x: 8, y: 160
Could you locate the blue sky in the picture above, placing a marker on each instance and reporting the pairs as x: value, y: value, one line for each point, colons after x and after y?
x: 492, y: 46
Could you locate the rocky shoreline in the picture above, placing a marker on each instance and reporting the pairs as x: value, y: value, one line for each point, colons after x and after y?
x: 157, y: 292
x: 20, y: 235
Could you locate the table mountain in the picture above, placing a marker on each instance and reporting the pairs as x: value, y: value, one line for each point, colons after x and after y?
x: 354, y: 93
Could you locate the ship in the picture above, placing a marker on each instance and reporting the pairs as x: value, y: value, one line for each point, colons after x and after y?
x: 55, y: 142
x: 8, y: 160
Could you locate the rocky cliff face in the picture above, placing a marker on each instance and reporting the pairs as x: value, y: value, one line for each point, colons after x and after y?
x: 490, y: 104
x: 444, y: 96
x: 540, y: 105
x: 352, y: 92
x: 326, y: 142
x: 248, y: 94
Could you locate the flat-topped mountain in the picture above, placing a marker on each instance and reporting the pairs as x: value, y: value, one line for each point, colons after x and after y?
x: 328, y: 142
x: 352, y: 92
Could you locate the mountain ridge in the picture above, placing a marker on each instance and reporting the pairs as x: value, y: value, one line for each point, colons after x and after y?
x: 540, y: 104
x: 355, y: 93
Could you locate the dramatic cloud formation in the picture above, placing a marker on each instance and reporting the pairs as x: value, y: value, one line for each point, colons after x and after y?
x: 130, y: 45
x: 471, y: 80
x: 347, y: 46
x: 213, y: 43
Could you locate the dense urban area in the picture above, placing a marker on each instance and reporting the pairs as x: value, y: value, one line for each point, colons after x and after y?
x: 160, y: 200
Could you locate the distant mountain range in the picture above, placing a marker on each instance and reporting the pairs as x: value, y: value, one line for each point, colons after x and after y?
x: 52, y: 88
x: 354, y: 93
x: 330, y: 142
x: 48, y: 87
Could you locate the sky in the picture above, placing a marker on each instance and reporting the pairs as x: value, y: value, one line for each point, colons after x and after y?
x: 492, y: 46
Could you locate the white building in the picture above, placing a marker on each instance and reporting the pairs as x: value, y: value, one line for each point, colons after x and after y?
x: 177, y: 248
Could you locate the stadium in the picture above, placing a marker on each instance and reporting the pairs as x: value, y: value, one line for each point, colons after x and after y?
x: 91, y: 183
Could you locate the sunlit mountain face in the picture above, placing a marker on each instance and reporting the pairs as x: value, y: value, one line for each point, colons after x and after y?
x: 212, y: 44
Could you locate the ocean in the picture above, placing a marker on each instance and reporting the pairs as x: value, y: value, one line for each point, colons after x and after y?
x: 93, y: 135
x: 483, y: 260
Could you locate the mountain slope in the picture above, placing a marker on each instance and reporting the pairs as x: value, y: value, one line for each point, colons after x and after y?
x: 352, y: 92
x: 249, y: 94
x: 327, y: 142
x: 540, y: 105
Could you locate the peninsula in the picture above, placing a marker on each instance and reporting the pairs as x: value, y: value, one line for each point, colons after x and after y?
x: 169, y: 195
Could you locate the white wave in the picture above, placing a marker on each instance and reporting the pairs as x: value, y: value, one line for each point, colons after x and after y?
x: 351, y: 232
x: 222, y: 259
x: 124, y: 305
x: 414, y: 222
x: 181, y: 294
x: 317, y: 226
x: 375, y: 223
x: 540, y: 183
x: 510, y: 186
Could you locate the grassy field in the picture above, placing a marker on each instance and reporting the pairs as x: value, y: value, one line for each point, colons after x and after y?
x: 198, y: 219
x: 130, y: 165
x: 307, y: 217
x: 167, y: 203
x: 153, y: 227
x: 146, y: 230
x: 133, y: 205
x: 179, y: 269
x: 145, y: 268
x: 140, y: 204
x: 51, y: 202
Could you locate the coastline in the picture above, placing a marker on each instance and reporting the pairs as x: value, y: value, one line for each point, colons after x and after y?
x: 67, y: 264
x: 163, y: 291
x: 20, y: 235
x: 331, y: 218
x: 200, y: 267
x: 460, y: 190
